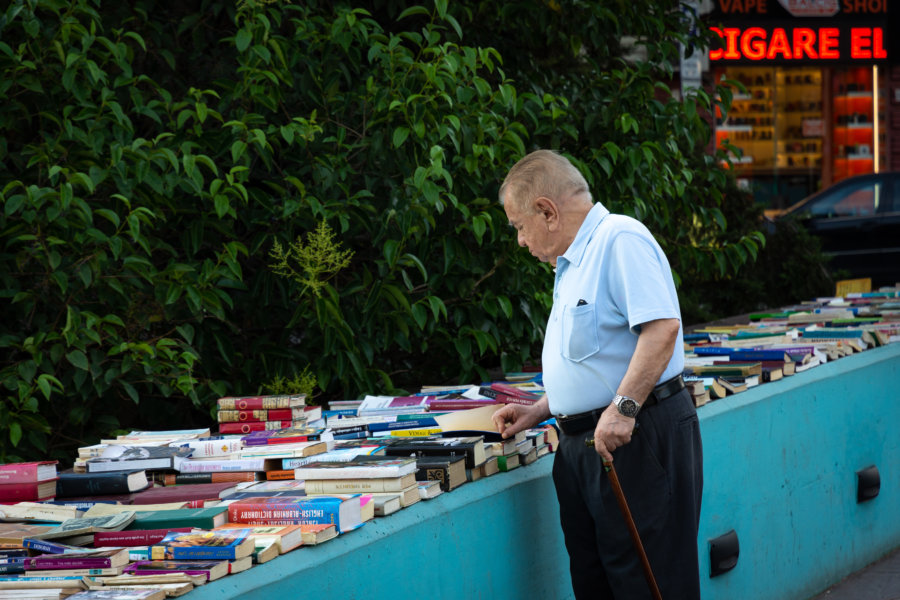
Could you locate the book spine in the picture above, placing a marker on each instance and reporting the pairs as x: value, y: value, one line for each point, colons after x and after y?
x: 213, y: 448
x: 248, y: 427
x: 167, y: 552
x: 22, y: 492
x: 209, y: 477
x: 106, y: 483
x: 275, y: 414
x: 439, y: 405
x: 512, y: 390
x: 439, y: 473
x: 18, y: 473
x: 45, y: 546
x: 353, y: 435
x: 71, y: 562
x: 280, y: 474
x: 416, y: 432
x: 210, y: 466
x: 405, y: 424
x: 260, y: 402
x: 9, y: 568
x: 136, y: 537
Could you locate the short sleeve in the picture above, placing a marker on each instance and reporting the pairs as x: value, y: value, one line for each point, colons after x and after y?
x: 638, y: 277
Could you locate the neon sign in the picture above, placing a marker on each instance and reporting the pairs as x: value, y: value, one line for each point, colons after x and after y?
x: 799, y: 44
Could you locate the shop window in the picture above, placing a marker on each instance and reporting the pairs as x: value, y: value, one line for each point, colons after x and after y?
x: 860, y: 201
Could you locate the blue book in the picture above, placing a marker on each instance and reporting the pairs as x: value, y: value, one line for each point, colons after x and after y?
x: 712, y: 351
x: 405, y: 424
x: 49, y: 547
x: 758, y: 355
x: 10, y: 566
x: 344, y: 412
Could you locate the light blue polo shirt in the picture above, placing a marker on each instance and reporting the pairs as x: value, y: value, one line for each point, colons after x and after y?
x: 611, y: 279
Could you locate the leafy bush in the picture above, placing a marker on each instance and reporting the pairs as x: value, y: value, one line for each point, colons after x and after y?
x: 167, y: 172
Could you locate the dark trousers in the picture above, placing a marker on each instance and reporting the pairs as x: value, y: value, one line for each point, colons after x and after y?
x: 661, y: 472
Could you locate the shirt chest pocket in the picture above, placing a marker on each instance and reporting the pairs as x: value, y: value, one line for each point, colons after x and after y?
x: 580, y: 338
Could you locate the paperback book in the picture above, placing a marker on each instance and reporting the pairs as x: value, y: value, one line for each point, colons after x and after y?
x: 204, y: 545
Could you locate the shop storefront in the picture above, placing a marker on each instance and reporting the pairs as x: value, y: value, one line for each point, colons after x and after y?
x: 813, y: 105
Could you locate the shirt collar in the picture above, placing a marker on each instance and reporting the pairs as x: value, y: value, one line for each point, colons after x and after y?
x: 576, y: 249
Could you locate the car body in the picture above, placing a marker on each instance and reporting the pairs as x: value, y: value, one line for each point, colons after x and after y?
x: 858, y: 222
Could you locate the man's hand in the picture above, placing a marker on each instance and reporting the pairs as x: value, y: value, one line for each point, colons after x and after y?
x: 513, y: 418
x: 613, y: 430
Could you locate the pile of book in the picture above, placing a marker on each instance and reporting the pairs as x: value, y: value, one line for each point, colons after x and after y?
x: 725, y: 360
x: 259, y: 413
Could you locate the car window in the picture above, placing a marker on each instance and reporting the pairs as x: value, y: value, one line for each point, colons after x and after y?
x: 859, y: 200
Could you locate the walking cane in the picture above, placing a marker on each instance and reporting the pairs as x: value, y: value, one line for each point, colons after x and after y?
x: 629, y: 520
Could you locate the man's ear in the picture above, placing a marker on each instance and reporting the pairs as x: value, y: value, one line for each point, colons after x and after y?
x: 548, y: 210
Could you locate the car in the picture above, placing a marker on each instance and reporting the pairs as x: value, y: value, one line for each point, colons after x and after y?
x: 858, y: 222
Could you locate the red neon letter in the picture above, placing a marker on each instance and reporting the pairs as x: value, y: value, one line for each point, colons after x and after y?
x: 717, y: 53
x: 828, y: 42
x: 804, y: 40
x: 779, y: 43
x: 731, y: 37
x: 754, y: 49
x: 860, y: 42
x: 878, y: 39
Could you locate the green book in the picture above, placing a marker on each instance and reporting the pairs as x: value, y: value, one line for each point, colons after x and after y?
x: 201, y: 518
x: 508, y: 463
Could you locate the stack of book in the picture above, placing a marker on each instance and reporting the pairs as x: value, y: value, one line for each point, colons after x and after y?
x: 245, y: 414
x: 28, y: 481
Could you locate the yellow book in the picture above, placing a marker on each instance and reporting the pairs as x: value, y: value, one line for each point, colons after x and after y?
x: 425, y: 431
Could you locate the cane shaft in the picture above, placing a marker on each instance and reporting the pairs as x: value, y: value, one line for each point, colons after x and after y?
x: 632, y: 528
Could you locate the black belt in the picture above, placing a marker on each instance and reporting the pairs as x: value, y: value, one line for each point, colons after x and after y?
x: 572, y: 424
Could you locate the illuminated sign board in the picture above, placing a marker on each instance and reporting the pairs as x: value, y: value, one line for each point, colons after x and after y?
x: 787, y: 44
x: 801, y: 31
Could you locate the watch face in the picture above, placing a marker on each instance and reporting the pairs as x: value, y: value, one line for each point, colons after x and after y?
x: 627, y: 406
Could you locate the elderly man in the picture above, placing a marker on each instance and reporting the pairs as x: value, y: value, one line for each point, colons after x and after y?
x: 612, y: 363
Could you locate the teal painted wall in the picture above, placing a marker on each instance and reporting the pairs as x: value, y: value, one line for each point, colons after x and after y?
x: 779, y: 462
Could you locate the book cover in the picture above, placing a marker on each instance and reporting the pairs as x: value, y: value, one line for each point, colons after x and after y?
x: 120, y: 594
x: 183, y: 493
x: 209, y: 477
x: 335, y: 455
x: 287, y: 435
x: 472, y: 447
x: 74, y: 485
x: 140, y: 457
x: 357, y: 468
x: 132, y: 538
x: 261, y: 402
x: 27, y: 472
x: 83, y: 525
x: 344, y: 513
x: 359, y: 486
x: 203, y: 545
x: 27, y: 491
x: 262, y: 414
x: 248, y: 427
x: 286, y: 537
x: 201, y: 518
x: 211, y: 569
x: 449, y: 471
x: 93, y: 559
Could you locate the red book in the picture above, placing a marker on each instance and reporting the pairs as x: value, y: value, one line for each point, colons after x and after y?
x: 213, y: 477
x: 183, y: 493
x: 512, y: 390
x: 261, y: 402
x: 458, y: 404
x: 136, y: 537
x: 250, y: 426
x: 28, y: 472
x: 28, y: 491
x: 279, y: 474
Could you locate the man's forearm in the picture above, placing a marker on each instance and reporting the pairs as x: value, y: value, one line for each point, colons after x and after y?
x: 655, y: 346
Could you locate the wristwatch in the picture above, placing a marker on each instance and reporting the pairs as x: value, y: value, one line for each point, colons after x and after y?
x: 627, y: 406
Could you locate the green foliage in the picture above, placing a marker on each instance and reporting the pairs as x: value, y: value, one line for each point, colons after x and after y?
x: 156, y: 158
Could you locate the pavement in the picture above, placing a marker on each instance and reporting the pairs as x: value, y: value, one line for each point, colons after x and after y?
x: 878, y: 581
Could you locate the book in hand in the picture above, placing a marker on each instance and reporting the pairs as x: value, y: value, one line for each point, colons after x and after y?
x: 74, y: 485
x: 472, y: 447
x: 285, y: 537
x: 358, y: 467
x: 88, y: 559
x: 204, y: 545
x: 344, y: 513
x: 211, y: 569
x: 140, y: 457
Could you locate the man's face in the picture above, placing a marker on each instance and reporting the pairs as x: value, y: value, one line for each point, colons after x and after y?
x: 532, y: 231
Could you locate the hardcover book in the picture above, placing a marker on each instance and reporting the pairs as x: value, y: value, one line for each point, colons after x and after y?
x: 251, y: 415
x: 221, y: 465
x: 364, y: 485
x: 344, y: 513
x: 136, y: 537
x: 27, y: 491
x: 449, y: 471
x: 261, y: 402
x: 74, y: 485
x: 211, y: 569
x: 204, y: 545
x: 249, y: 427
x: 141, y: 457
x: 472, y: 447
x: 201, y: 518
x: 285, y: 537
x: 93, y: 559
x: 357, y: 468
x: 208, y: 477
x: 27, y: 472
